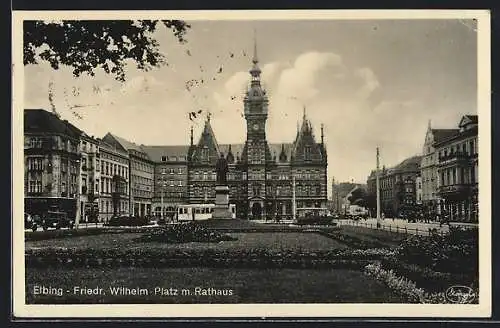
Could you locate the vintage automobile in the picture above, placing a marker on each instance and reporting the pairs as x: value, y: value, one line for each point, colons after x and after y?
x: 56, y: 220
x: 31, y: 222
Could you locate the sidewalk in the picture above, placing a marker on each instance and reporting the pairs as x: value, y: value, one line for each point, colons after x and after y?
x: 399, y: 226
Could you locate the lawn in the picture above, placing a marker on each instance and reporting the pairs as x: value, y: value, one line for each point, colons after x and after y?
x: 289, y: 240
x: 247, y: 286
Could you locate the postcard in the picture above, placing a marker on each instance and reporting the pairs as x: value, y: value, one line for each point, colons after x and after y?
x: 251, y: 164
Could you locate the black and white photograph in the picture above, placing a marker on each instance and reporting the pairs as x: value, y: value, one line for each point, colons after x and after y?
x: 251, y: 163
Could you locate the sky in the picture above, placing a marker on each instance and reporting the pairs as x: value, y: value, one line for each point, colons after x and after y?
x: 370, y: 82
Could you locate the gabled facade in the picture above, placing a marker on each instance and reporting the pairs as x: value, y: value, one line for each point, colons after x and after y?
x: 429, y: 168
x: 141, y: 182
x: 260, y: 173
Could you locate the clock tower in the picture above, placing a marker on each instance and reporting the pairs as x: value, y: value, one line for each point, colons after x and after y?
x: 256, y: 109
x: 256, y: 151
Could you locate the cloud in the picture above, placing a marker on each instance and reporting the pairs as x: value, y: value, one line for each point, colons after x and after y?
x: 371, y: 82
x: 300, y: 79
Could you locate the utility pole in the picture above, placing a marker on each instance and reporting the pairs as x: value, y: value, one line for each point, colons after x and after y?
x: 378, y: 188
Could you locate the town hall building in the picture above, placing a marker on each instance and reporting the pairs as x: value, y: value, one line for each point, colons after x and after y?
x: 261, y: 174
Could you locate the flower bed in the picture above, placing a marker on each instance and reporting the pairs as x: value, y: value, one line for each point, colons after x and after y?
x: 407, y: 288
x: 184, y: 233
x: 428, y: 279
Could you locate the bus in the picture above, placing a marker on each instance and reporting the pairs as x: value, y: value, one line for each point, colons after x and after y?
x: 199, y: 212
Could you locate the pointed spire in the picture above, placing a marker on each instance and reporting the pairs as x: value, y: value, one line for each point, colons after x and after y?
x: 191, y: 135
x: 255, y: 59
x: 429, y: 125
x: 304, y: 115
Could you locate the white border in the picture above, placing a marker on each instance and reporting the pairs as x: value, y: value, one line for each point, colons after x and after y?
x: 483, y: 309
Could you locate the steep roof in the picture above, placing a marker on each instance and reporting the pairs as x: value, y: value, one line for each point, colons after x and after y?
x: 410, y: 163
x: 156, y: 153
x: 472, y: 118
x: 112, y: 148
x: 42, y: 121
x: 442, y: 134
x: 127, y: 144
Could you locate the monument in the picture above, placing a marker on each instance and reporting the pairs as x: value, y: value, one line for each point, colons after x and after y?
x: 221, y: 210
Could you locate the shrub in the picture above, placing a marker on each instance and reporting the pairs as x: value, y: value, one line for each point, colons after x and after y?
x: 456, y: 252
x: 184, y: 233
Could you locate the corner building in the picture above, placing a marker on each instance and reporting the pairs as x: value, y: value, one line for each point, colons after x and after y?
x: 260, y: 174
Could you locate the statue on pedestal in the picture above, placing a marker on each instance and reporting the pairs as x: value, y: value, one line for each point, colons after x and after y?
x: 221, y: 169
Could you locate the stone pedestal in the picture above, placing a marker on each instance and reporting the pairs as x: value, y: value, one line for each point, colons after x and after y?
x: 221, y: 209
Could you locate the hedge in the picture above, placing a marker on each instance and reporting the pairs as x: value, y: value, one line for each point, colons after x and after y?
x: 243, y: 258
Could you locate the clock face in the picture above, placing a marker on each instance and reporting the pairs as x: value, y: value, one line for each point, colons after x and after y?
x: 256, y: 126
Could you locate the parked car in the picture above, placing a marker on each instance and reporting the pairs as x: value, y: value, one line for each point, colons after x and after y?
x: 56, y: 220
x: 31, y: 222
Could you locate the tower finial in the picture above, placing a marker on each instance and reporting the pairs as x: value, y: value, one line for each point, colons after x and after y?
x: 304, y: 109
x: 208, y: 116
x: 255, y: 59
x: 429, y: 126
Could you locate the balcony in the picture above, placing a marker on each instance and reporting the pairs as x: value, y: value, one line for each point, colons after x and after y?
x: 456, y: 157
x: 456, y: 189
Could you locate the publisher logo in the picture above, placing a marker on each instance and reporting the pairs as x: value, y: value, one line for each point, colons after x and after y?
x: 460, y: 294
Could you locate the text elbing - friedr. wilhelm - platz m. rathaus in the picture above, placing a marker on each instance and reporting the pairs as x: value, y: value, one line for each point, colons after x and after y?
x: 84, y: 176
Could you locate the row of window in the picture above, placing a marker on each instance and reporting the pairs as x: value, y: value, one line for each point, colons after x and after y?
x: 172, y: 170
x: 114, y: 158
x: 142, y: 193
x: 170, y: 183
x: 106, y: 206
x: 456, y: 175
x: 51, y: 143
x: 465, y: 148
x: 173, y: 158
x: 141, y: 166
x: 141, y: 182
x: 111, y: 169
x: 89, y: 147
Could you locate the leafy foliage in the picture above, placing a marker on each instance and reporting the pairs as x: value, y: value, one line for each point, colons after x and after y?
x: 185, y: 233
x: 88, y: 45
x: 358, y: 197
x: 457, y: 252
